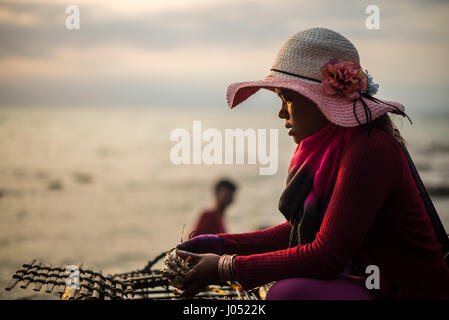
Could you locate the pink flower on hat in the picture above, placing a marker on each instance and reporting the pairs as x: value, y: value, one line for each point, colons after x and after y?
x: 345, y: 78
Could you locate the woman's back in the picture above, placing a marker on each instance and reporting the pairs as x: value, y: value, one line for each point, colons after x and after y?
x: 401, y: 240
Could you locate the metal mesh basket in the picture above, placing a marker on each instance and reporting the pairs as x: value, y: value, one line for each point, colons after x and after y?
x: 146, y: 283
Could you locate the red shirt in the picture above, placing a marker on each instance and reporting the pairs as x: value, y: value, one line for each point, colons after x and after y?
x: 375, y: 217
x: 210, y: 222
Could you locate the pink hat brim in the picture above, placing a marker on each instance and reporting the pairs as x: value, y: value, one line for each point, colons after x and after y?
x: 337, y: 109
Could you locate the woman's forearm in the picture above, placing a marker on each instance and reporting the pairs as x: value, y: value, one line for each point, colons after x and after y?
x: 266, y: 240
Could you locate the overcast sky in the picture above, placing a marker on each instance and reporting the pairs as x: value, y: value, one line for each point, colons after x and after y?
x: 185, y: 53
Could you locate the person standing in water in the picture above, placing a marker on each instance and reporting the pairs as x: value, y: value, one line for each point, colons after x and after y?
x: 211, y: 221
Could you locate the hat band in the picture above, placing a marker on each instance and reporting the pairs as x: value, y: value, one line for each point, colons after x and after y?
x: 296, y: 75
x: 368, y: 116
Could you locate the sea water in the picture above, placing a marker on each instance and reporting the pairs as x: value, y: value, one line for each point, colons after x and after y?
x: 96, y: 184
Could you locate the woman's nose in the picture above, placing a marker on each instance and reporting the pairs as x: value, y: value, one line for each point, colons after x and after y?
x: 283, y: 113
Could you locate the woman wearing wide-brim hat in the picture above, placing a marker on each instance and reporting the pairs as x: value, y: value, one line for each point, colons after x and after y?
x: 356, y: 225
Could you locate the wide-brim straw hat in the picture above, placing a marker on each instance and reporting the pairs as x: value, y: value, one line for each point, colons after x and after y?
x: 299, y: 67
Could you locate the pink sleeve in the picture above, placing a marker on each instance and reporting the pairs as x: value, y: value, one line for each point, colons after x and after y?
x: 365, y: 178
x: 271, y: 239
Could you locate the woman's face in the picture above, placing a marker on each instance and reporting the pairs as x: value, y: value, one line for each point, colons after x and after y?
x: 302, y: 117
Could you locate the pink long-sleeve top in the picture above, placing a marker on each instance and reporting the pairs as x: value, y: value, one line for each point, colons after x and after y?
x: 375, y: 217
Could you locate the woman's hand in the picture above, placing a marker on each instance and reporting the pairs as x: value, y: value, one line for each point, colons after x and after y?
x: 203, y: 273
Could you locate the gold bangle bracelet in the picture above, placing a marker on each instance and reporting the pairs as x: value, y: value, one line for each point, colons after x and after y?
x: 226, y: 267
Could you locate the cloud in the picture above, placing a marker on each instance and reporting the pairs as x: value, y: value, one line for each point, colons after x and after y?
x: 192, y: 62
x: 18, y: 18
x: 228, y: 23
x: 219, y: 23
x: 200, y: 45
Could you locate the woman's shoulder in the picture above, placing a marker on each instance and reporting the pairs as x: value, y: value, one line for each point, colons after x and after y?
x: 375, y: 141
x: 378, y: 148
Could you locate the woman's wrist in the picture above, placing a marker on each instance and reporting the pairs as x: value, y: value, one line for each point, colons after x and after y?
x: 226, y: 267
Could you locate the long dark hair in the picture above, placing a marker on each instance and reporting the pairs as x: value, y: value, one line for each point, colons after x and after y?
x: 386, y: 124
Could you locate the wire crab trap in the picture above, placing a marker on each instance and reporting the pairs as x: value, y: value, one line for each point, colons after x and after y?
x: 146, y: 283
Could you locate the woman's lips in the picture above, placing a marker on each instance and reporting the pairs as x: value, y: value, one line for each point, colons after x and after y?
x: 291, y: 131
